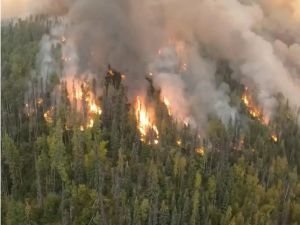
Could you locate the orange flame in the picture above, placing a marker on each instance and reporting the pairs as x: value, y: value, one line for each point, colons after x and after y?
x: 274, y: 137
x: 94, y: 108
x: 145, y: 121
x: 253, y: 109
x: 178, y: 142
x: 48, y: 115
x: 80, y: 95
x: 200, y: 151
x: 40, y: 101
x: 81, y: 128
x: 90, y: 123
x: 167, y: 104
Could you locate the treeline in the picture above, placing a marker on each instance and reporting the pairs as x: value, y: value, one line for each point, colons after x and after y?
x: 106, y: 175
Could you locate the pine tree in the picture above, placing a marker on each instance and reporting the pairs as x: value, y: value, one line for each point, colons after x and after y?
x: 12, y: 158
x: 195, y: 216
x: 57, y: 152
x: 78, y: 157
x: 164, y: 214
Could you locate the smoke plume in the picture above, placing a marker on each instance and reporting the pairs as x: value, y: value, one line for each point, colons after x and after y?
x: 259, y: 39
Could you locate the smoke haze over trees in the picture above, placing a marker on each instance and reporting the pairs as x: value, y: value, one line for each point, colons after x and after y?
x: 247, y: 34
x: 159, y: 112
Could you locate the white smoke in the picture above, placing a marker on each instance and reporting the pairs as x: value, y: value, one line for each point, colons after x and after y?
x: 259, y: 39
x: 167, y: 77
x: 208, y: 98
x: 227, y: 28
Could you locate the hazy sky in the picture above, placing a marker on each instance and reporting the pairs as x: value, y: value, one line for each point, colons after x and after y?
x: 19, y: 8
x: 12, y: 8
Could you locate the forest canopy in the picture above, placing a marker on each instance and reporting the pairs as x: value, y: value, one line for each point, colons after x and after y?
x: 74, y: 155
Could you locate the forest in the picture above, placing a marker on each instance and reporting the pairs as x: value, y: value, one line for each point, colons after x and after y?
x: 110, y: 171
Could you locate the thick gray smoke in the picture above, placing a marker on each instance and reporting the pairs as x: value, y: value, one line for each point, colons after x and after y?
x: 259, y: 39
x: 188, y: 83
x: 228, y: 29
x: 205, y: 92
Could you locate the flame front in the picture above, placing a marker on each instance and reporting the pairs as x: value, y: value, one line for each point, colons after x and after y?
x: 83, y: 101
x: 80, y: 95
x: 253, y: 109
x: 167, y: 104
x: 145, y: 122
x: 94, y: 108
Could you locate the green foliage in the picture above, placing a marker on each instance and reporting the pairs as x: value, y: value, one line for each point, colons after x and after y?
x: 57, y: 152
x: 12, y: 158
x: 106, y: 175
x: 15, y: 213
x: 51, y: 209
x: 83, y: 200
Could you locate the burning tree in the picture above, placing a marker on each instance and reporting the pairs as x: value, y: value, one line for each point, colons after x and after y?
x: 253, y: 109
x: 145, y: 121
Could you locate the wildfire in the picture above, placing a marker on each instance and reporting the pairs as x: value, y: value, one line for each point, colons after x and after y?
x: 48, y: 115
x: 82, y: 100
x: 253, y: 109
x: 167, y: 104
x: 274, y: 137
x: 186, y: 123
x: 200, y: 151
x: 40, y: 101
x: 179, y: 142
x: 80, y: 94
x: 90, y: 123
x: 146, y: 125
x: 180, y: 48
x: 94, y: 108
x: 239, y: 145
x: 256, y: 112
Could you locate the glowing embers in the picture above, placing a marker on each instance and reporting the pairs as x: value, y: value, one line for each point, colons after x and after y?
x: 179, y: 142
x: 145, y: 123
x: 274, y: 138
x: 90, y: 123
x: 200, y: 151
x: 39, y: 101
x: 239, y: 144
x: 252, y: 108
x: 167, y: 104
x: 94, y: 108
x: 49, y: 115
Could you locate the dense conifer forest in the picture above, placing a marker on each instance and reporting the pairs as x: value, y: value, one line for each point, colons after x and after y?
x: 56, y: 172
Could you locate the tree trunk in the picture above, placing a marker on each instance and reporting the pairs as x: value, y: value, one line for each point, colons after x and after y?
x: 38, y: 183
